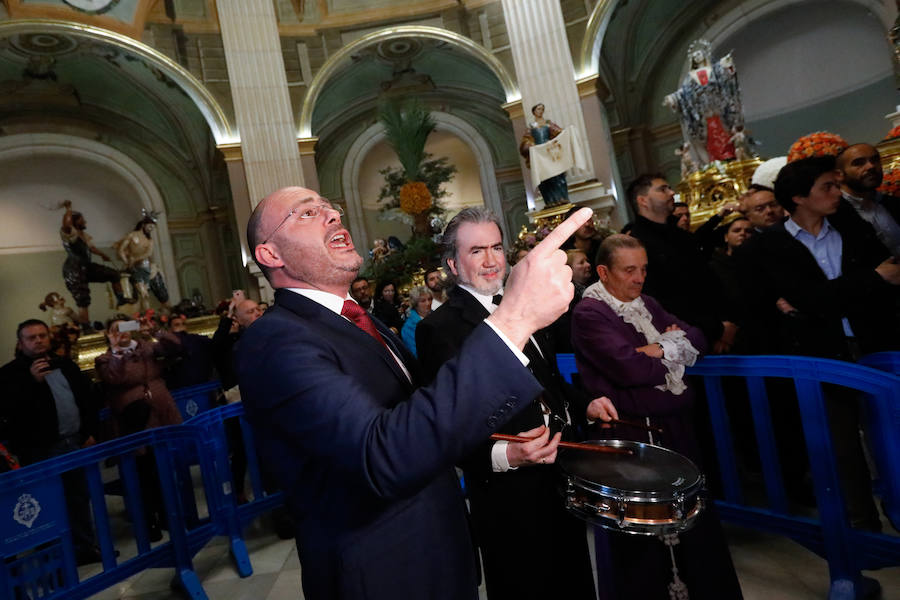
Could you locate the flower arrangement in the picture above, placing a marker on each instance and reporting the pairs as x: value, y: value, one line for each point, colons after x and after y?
x: 891, y: 183
x: 892, y: 134
x: 820, y: 143
x: 415, y: 197
x: 416, y: 187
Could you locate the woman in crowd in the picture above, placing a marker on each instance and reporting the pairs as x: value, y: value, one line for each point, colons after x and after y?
x: 581, y: 277
x: 137, y: 395
x: 387, y: 305
x: 419, y: 308
x: 734, y: 232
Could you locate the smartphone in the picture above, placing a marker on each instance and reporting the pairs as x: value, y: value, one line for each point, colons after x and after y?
x: 129, y: 326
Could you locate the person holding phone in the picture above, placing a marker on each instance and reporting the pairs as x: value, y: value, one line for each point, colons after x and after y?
x: 47, y: 411
x: 138, y: 396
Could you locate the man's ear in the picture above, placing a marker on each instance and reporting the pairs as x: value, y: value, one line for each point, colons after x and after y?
x: 640, y: 201
x: 451, y: 263
x: 268, y: 255
x: 602, y: 272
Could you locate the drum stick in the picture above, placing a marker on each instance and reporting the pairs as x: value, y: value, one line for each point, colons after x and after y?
x: 637, y: 424
x: 571, y: 445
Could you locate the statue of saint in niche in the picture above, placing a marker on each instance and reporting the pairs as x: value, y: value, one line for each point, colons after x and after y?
x: 554, y: 190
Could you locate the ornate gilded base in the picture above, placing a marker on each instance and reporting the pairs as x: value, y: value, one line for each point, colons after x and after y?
x: 90, y: 346
x: 890, y: 154
x: 717, y: 184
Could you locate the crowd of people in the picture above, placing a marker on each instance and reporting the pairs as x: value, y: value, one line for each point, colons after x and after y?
x: 363, y: 404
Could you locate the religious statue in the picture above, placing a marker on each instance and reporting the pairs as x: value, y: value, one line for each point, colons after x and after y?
x: 708, y: 104
x: 64, y: 329
x: 78, y: 270
x: 688, y: 165
x: 60, y: 314
x: 380, y: 250
x: 741, y: 140
x: 554, y: 189
x: 135, y: 251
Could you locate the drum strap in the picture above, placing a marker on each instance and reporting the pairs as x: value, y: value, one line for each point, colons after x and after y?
x: 677, y: 589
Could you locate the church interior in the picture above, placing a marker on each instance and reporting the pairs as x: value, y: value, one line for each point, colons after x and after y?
x: 189, y: 112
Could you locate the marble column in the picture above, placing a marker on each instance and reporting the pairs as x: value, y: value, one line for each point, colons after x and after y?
x: 544, y: 68
x: 271, y: 158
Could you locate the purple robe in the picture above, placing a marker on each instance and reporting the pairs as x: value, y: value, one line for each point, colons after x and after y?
x: 609, y: 365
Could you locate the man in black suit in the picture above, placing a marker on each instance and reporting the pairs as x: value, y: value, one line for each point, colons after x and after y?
x: 821, y: 287
x: 512, y: 486
x: 365, y: 457
x: 861, y: 174
x: 677, y: 272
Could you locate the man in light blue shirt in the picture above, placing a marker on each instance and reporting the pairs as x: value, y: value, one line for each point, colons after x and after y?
x: 840, y: 291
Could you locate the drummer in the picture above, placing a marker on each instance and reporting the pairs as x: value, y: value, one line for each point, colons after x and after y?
x: 627, y: 347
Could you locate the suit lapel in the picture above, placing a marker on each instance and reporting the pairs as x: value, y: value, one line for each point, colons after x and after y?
x: 309, y: 309
x: 473, y: 312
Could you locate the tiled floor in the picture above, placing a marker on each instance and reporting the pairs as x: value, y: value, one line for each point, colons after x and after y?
x: 769, y: 567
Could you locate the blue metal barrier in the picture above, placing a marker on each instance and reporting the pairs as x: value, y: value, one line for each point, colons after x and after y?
x: 234, y: 516
x: 191, y: 400
x: 848, y: 551
x: 196, y: 399
x: 883, y: 361
x: 37, y: 557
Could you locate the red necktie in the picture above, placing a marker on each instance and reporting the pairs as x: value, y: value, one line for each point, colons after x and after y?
x: 361, y: 319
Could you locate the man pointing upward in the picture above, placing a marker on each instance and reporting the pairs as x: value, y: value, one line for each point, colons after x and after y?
x: 364, y: 456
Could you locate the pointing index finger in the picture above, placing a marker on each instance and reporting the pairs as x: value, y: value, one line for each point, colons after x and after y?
x: 561, y: 233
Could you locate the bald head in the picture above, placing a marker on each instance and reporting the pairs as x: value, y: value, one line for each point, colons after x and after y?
x: 246, y: 312
x: 298, y: 240
x: 265, y: 219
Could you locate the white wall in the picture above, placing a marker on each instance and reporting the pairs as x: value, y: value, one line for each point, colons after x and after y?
x: 805, y: 54
x: 31, y: 186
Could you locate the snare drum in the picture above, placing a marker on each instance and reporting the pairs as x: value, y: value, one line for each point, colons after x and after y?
x: 652, y: 491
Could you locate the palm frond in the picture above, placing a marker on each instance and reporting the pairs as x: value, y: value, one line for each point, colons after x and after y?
x: 407, y: 126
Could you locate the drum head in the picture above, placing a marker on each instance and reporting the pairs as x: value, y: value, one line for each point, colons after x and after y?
x: 650, y: 471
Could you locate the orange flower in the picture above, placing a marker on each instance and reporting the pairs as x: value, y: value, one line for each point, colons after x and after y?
x: 820, y: 143
x: 893, y: 133
x: 891, y: 183
x: 415, y: 197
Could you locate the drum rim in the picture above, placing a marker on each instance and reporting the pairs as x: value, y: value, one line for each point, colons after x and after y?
x: 692, y: 489
x: 631, y: 496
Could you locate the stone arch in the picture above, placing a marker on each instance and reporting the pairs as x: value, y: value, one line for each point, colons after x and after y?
x: 589, y: 63
x: 33, y: 145
x: 223, y: 132
x: 490, y: 191
x: 721, y: 29
x: 510, y: 88
x: 738, y: 17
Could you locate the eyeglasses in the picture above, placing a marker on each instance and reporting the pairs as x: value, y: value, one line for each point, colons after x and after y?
x: 305, y: 214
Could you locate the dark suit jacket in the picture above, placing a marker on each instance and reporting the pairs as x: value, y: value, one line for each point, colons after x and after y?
x: 774, y: 264
x: 679, y: 278
x: 521, y: 502
x: 28, y: 411
x: 846, y: 216
x: 365, y: 458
